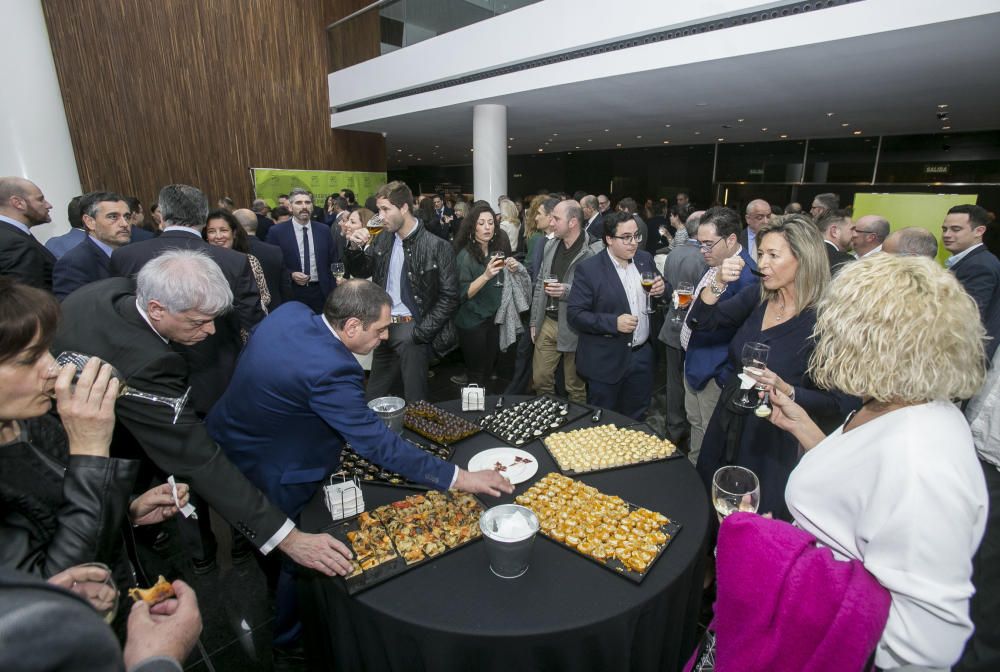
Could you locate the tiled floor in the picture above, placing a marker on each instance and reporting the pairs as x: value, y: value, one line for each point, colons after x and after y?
x: 235, y: 607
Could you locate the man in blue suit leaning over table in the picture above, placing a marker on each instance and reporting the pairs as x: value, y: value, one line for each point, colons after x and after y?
x: 291, y: 406
x: 606, y: 307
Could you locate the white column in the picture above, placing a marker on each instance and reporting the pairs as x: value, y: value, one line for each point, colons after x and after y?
x: 489, y: 160
x: 34, y: 135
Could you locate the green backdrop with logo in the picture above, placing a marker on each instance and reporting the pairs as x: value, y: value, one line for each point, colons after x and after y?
x: 270, y: 182
x: 902, y: 210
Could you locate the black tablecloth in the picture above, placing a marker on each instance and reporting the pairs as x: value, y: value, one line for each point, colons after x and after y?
x: 565, y: 613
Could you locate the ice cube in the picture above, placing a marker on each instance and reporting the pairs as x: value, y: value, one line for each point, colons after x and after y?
x: 514, y: 526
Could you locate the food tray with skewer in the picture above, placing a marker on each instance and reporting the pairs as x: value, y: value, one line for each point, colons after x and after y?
x: 437, y: 424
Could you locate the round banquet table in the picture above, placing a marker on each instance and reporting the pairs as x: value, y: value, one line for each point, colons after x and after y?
x: 565, y: 613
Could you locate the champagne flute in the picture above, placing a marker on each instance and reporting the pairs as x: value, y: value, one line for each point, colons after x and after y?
x: 498, y: 255
x: 754, y: 359
x: 735, y: 489
x: 685, y: 292
x: 549, y: 281
x: 79, y: 360
x: 648, y: 278
x: 338, y: 269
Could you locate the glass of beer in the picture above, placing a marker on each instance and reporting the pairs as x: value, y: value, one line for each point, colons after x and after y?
x: 549, y: 281
x: 493, y: 257
x: 648, y: 278
x: 337, y: 269
x: 685, y: 294
x: 375, y: 225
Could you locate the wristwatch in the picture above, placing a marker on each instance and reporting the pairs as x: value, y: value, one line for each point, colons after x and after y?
x: 716, y: 289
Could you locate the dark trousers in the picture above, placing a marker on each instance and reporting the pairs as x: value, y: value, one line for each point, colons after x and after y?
x: 397, y: 358
x: 631, y: 395
x: 520, y: 381
x: 982, y: 651
x: 480, y: 348
x: 311, y: 295
x: 678, y: 428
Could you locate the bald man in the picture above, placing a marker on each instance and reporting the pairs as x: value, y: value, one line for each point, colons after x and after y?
x: 279, y: 281
x: 22, y: 257
x: 911, y: 241
x: 868, y: 234
x: 758, y: 213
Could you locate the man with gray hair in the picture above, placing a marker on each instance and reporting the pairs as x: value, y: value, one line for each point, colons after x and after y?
x: 594, y: 223
x: 307, y: 250
x: 264, y: 221
x: 307, y: 403
x: 22, y: 257
x: 757, y: 215
x: 912, y: 241
x: 178, y: 298
x: 867, y: 235
x: 824, y: 203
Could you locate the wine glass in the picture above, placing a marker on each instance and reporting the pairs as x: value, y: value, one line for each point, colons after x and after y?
x: 498, y: 255
x: 79, y: 360
x: 337, y: 269
x: 102, y: 595
x: 754, y: 359
x: 735, y: 489
x: 550, y: 280
x: 685, y: 292
x: 648, y: 278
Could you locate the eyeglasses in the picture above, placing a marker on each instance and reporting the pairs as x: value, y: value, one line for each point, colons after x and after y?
x: 863, y: 231
x: 629, y: 238
x: 705, y: 247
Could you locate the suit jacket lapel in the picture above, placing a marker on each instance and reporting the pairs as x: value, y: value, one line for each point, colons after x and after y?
x: 615, y: 282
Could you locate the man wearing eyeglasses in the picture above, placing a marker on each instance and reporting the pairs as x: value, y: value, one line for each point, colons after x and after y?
x: 867, y: 235
x: 822, y: 204
x: 707, y: 351
x: 758, y: 212
x: 607, y: 307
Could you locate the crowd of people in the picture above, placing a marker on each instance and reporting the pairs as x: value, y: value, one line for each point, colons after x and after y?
x: 870, y: 420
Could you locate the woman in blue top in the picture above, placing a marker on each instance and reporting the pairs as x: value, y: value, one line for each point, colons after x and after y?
x: 781, y: 314
x: 478, y: 239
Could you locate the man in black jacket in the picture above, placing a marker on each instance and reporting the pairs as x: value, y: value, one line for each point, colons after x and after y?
x: 22, y: 206
x: 417, y: 269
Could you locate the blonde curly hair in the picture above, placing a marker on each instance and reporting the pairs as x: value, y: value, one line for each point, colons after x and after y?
x: 898, y: 330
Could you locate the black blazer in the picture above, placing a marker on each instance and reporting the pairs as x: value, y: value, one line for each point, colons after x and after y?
x: 82, y: 265
x: 264, y: 224
x: 102, y: 319
x: 596, y: 228
x: 213, y: 360
x: 24, y: 258
x: 836, y: 258
x: 279, y: 281
x: 979, y: 273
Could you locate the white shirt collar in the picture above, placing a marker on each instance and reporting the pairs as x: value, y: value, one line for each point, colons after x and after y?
x: 871, y: 252
x: 186, y: 229
x: 955, y: 258
x: 13, y: 222
x: 332, y: 330
x: 145, y: 316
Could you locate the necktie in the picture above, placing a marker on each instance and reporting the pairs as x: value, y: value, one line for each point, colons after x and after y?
x: 305, y: 251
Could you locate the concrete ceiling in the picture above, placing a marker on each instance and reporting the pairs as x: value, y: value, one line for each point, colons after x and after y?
x: 888, y: 84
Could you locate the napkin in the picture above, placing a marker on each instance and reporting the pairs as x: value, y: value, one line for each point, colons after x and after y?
x: 187, y: 510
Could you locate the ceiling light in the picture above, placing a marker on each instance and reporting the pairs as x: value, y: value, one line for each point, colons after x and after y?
x: 437, y: 146
x: 578, y: 146
x: 783, y: 135
x: 618, y: 145
x: 721, y: 139
x: 540, y: 149
x: 509, y: 147
x: 697, y: 132
x: 845, y: 125
x: 764, y: 129
x: 590, y: 139
x: 829, y: 114
x: 701, y: 104
x: 857, y: 132
x: 399, y: 150
x: 555, y: 134
x: 638, y: 137
x: 942, y: 106
x: 946, y: 128
x: 606, y: 130
x: 409, y: 154
x: 666, y: 125
x: 666, y: 142
x: 511, y: 139
x: 740, y: 120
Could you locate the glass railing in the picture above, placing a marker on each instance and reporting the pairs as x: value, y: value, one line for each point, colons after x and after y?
x: 396, y: 24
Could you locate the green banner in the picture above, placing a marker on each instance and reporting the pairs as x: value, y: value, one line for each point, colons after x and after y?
x: 903, y: 210
x: 269, y: 183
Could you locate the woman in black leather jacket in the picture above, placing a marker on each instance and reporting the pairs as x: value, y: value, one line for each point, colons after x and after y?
x: 62, y: 498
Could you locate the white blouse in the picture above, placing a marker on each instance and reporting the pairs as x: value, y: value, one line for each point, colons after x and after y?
x: 905, y: 495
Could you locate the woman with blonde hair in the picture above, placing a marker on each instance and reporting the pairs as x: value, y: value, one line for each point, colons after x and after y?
x: 779, y: 314
x: 510, y: 224
x: 898, y: 485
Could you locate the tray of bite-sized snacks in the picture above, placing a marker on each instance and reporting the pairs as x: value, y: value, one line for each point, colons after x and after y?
x: 605, y: 529
x: 396, y: 537
x: 355, y: 465
x: 437, y: 424
x: 592, y: 449
x: 531, y: 419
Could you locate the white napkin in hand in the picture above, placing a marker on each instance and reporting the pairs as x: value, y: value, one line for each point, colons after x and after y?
x: 187, y: 510
x: 746, y: 382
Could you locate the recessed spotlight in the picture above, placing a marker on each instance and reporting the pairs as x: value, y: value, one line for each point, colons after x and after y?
x: 590, y: 139
x: 740, y: 120
x: 666, y: 125
x: 511, y: 139
x: 721, y: 139
x: 419, y: 159
x: 764, y: 129
x: 946, y: 128
x: 701, y: 104
x: 578, y: 146
x: 783, y: 135
x: 555, y: 134
x: 540, y: 149
x: 606, y: 130
x: 666, y: 142
x: 844, y: 125
x: 399, y: 150
x: 618, y: 145
x: 509, y: 147
x: 943, y: 106
x: 437, y: 146
x: 638, y: 137
x: 409, y: 154
x: 697, y: 132
x: 829, y: 114
x: 857, y: 132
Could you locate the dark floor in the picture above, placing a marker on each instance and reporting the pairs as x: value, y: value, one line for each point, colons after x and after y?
x: 234, y: 603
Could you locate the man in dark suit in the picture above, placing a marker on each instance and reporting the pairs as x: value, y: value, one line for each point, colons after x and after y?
x: 607, y: 308
x: 22, y: 257
x: 308, y: 250
x: 105, y: 217
x: 184, y: 210
x: 975, y: 267
x: 836, y: 229
x: 264, y: 223
x: 443, y: 214
x: 279, y: 280
x: 595, y: 218
x: 177, y: 299
x: 60, y: 245
x: 758, y: 213
x: 289, y: 444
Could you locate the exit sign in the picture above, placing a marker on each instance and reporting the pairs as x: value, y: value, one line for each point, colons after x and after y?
x: 937, y: 169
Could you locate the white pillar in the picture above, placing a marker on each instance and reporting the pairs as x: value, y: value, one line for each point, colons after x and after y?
x: 489, y: 160
x: 34, y: 135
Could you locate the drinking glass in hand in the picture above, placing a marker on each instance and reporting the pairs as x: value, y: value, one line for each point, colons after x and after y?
x: 754, y: 360
x: 337, y: 269
x: 648, y: 278
x: 549, y: 281
x: 735, y: 489
x: 79, y: 360
x: 102, y: 595
x: 685, y: 292
x: 495, y: 256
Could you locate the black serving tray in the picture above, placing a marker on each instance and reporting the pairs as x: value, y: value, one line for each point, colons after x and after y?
x: 351, y: 463
x: 671, y: 529
x: 642, y: 427
x: 387, y: 570
x: 445, y: 414
x: 573, y: 413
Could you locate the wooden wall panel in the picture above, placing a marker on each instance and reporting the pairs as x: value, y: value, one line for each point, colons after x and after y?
x: 198, y: 91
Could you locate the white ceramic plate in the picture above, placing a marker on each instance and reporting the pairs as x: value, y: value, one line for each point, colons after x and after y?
x: 516, y: 470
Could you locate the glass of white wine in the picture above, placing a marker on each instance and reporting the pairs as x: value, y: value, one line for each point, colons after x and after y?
x: 735, y: 489
x: 337, y: 269
x: 79, y: 360
x: 754, y: 360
